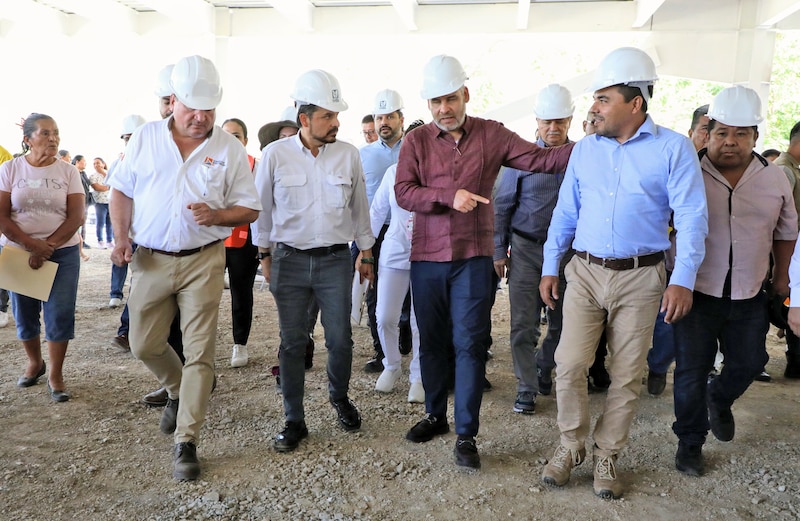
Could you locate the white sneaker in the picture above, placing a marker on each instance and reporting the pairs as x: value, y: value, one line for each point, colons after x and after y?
x: 416, y: 394
x: 3, y: 318
x: 239, y: 358
x: 115, y: 302
x: 387, y: 379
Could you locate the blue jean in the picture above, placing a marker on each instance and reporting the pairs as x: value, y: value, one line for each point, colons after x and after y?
x: 295, y: 280
x: 741, y: 327
x: 103, y: 220
x: 460, y: 291
x: 59, y: 310
x: 118, y: 276
x: 662, y: 354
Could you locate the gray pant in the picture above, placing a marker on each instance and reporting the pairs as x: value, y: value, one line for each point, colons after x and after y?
x: 523, y: 290
x: 296, y: 279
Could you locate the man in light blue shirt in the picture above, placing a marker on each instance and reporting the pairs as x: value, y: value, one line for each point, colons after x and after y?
x: 621, y: 186
x: 376, y: 158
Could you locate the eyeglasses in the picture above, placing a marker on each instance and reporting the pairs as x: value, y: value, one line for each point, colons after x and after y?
x: 369, y: 132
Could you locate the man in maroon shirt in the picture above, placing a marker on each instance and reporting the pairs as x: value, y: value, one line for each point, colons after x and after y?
x: 445, y: 175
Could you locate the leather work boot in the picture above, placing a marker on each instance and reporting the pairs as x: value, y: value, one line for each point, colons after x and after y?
x: 606, y: 484
x: 556, y: 472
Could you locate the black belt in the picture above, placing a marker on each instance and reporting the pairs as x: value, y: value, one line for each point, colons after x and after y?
x: 182, y: 253
x: 528, y: 237
x: 623, y: 264
x: 314, y: 252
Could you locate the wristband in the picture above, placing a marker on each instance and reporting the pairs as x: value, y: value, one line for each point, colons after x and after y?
x: 367, y: 260
x: 263, y: 255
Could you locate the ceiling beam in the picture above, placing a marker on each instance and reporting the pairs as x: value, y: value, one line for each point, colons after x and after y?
x: 24, y: 12
x: 772, y: 12
x: 111, y: 14
x: 299, y: 12
x: 523, y: 14
x: 407, y: 10
x: 645, y: 9
x: 196, y: 14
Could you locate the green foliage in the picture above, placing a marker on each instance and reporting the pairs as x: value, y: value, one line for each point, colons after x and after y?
x: 783, y: 108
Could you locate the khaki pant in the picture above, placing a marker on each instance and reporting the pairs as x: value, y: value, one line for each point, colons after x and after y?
x: 162, y: 285
x: 626, y: 304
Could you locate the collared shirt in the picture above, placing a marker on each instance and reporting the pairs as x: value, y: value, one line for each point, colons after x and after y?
x: 162, y: 185
x: 433, y: 167
x: 616, y: 200
x: 311, y: 202
x: 376, y: 158
x: 396, y: 245
x: 743, y: 221
x: 792, y: 169
x: 523, y: 203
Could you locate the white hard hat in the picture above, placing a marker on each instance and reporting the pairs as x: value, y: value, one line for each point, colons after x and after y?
x: 288, y: 114
x: 736, y: 106
x: 320, y: 88
x: 442, y: 75
x: 386, y: 102
x: 554, y: 102
x: 162, y: 87
x: 626, y: 66
x: 195, y: 82
x: 131, y: 123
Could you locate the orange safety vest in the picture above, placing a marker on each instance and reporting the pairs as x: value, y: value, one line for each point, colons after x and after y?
x: 238, y: 237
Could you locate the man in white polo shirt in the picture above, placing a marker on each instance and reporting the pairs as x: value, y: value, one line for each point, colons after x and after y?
x: 191, y: 183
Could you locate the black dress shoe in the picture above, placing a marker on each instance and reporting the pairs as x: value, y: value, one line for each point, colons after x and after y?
x: 169, y: 418
x: 721, y: 419
x: 187, y: 467
x: 656, y: 382
x: 466, y: 453
x: 348, y: 415
x: 689, y: 459
x: 24, y: 381
x: 289, y: 438
x: 157, y: 398
x: 57, y: 396
x: 600, y: 379
x: 374, y: 365
x: 427, y: 428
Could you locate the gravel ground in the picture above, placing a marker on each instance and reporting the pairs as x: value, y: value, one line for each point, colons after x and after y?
x: 101, y: 456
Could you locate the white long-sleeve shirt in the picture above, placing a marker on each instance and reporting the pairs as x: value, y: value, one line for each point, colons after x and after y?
x: 311, y: 202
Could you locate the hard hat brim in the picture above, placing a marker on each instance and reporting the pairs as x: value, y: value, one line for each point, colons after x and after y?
x: 201, y: 102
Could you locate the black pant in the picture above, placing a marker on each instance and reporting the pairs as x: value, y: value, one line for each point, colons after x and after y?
x: 242, y: 266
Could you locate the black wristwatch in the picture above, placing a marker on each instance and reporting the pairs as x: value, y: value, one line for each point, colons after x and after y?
x: 263, y: 255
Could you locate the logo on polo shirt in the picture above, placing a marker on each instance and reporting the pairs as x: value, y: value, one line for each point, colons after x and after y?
x: 210, y: 161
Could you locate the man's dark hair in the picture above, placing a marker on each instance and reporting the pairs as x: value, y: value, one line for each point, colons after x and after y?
x: 369, y: 118
x: 61, y: 153
x: 770, y: 152
x: 794, y: 134
x: 238, y: 122
x: 308, y: 110
x: 628, y: 93
x: 698, y: 113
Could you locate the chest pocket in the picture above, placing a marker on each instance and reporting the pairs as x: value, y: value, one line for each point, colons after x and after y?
x: 211, y: 185
x: 338, y: 190
x: 289, y: 190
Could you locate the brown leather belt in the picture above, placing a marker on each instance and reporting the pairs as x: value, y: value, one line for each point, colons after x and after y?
x: 182, y: 253
x: 314, y: 252
x: 623, y: 264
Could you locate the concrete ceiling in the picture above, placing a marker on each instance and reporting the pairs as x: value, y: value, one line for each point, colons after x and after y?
x: 727, y: 41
